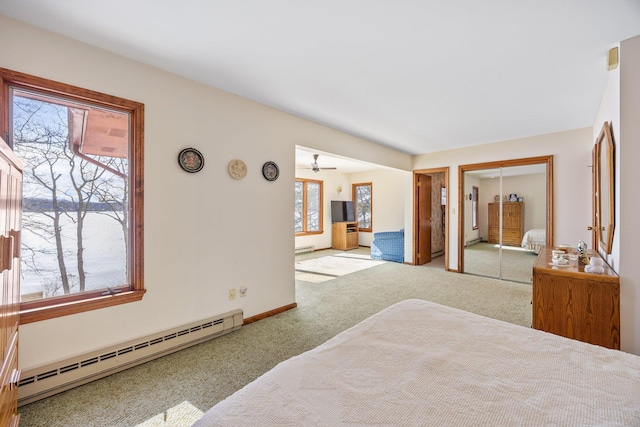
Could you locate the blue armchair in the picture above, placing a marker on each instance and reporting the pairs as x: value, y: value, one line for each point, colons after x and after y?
x: 388, y: 245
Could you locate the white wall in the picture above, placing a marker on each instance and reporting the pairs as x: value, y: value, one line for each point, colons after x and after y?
x: 621, y: 107
x: 204, y: 232
x: 389, y: 200
x: 571, y: 152
x: 331, y: 180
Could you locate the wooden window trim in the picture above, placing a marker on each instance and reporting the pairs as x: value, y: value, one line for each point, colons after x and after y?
x: 304, y: 231
x: 355, y: 203
x: 50, y: 308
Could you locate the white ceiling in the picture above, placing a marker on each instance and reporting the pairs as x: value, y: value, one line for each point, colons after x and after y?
x: 420, y: 76
x: 304, y: 158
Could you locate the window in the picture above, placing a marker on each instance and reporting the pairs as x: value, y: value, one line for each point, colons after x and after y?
x: 362, y: 205
x: 308, y: 206
x: 82, y: 207
x: 474, y: 208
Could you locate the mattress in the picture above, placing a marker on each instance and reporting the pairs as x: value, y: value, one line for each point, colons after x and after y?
x: 419, y: 363
x: 534, y: 239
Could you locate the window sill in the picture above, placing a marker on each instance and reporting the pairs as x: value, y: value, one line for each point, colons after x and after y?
x: 74, y: 307
x: 308, y: 233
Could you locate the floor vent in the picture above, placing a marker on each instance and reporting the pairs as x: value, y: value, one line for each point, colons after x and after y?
x: 305, y: 249
x: 48, y: 380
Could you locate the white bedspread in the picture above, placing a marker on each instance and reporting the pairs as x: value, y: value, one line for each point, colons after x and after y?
x: 418, y: 363
x: 534, y: 239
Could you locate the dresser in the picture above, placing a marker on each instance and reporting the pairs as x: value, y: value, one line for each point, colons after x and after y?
x: 512, y: 223
x: 569, y: 302
x: 10, y: 224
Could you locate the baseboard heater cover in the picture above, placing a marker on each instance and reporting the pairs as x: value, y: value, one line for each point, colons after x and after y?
x: 305, y: 249
x: 57, y: 377
x: 473, y: 242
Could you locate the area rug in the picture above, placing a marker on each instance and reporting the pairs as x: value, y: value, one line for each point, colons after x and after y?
x: 335, y: 265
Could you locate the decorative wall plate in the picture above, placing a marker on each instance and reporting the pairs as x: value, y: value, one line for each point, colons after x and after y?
x: 270, y: 171
x: 237, y: 169
x: 191, y: 160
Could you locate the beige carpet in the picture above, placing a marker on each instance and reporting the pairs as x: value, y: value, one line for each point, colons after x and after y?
x: 484, y: 259
x: 176, y: 389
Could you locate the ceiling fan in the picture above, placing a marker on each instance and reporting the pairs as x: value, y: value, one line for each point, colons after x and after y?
x: 315, y: 167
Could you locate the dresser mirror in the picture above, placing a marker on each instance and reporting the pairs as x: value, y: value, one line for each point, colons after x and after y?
x: 605, y: 188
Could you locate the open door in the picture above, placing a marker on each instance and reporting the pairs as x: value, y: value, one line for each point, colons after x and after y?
x: 423, y: 189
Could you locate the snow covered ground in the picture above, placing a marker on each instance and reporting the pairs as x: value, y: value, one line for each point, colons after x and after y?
x: 104, y: 257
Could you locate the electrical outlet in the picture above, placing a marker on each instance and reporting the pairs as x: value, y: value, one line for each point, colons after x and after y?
x: 243, y: 291
x: 232, y: 294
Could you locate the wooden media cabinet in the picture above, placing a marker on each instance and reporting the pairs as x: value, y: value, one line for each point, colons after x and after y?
x: 344, y: 235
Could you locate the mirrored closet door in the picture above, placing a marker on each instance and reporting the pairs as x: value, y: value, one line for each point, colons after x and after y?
x: 505, y: 210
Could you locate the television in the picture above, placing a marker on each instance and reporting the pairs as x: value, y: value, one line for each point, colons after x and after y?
x: 342, y: 210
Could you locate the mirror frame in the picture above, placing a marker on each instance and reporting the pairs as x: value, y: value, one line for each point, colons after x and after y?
x: 546, y: 160
x: 605, y: 179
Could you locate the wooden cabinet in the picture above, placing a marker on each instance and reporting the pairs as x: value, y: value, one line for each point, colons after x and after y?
x: 10, y: 211
x: 344, y: 235
x: 574, y: 304
x: 512, y: 223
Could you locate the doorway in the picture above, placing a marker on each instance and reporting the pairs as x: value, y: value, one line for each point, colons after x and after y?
x: 430, y: 218
x: 506, y: 215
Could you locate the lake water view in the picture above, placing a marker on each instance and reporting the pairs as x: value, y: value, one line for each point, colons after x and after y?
x: 104, y: 256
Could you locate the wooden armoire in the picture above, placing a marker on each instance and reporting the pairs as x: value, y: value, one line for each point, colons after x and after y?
x: 512, y: 223
x: 10, y: 218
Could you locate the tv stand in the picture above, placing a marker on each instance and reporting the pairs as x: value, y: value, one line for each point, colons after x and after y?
x: 344, y: 235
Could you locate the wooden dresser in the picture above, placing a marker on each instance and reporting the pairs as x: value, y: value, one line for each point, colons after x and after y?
x: 569, y: 302
x: 10, y: 224
x: 512, y: 223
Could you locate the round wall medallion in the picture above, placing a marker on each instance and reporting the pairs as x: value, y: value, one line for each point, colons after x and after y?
x: 270, y: 171
x: 237, y: 169
x: 191, y: 160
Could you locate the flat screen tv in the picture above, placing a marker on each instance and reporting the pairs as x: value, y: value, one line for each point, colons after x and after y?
x: 342, y: 210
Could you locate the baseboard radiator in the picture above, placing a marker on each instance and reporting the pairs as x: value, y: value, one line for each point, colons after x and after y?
x: 53, y: 378
x: 474, y: 241
x: 305, y: 249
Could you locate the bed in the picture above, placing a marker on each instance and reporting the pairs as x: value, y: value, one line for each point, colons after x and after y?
x: 421, y: 363
x: 534, y: 239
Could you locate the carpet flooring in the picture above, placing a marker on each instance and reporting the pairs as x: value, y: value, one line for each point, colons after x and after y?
x: 483, y: 259
x: 177, y: 389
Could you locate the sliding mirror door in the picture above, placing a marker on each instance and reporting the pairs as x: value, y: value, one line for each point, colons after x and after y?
x: 506, y: 214
x: 480, y: 252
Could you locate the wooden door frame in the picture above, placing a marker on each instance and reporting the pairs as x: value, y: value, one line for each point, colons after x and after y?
x: 546, y: 160
x: 417, y: 172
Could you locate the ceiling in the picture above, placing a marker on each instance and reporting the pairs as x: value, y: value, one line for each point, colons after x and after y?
x: 304, y: 158
x: 418, y: 76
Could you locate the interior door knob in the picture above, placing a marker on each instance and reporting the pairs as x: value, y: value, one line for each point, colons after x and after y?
x: 590, y: 228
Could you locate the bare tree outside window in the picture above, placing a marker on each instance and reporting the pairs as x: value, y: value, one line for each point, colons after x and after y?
x: 72, y: 201
x: 363, y: 205
x: 82, y: 234
x: 308, y: 210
